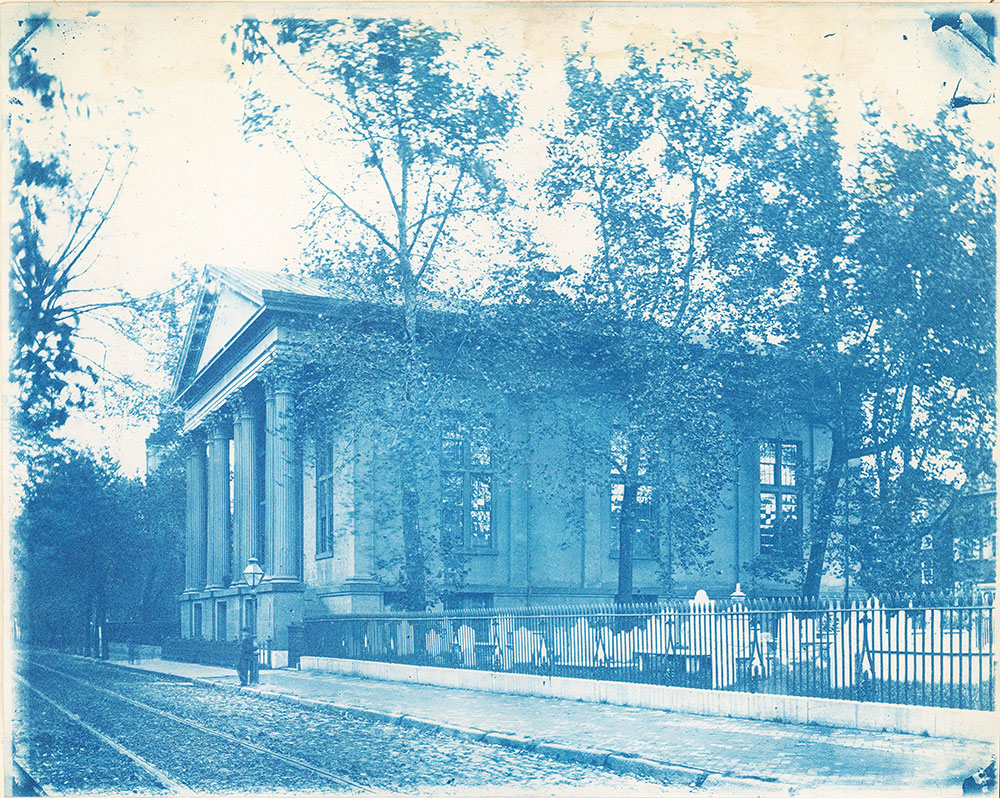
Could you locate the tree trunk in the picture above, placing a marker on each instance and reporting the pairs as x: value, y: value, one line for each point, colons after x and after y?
x: 822, y: 518
x: 100, y: 624
x: 414, y: 575
x: 627, y: 526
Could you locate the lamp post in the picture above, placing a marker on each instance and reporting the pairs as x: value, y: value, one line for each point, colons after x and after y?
x: 252, y: 575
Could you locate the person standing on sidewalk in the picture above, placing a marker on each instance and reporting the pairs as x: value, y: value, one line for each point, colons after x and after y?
x: 244, y: 667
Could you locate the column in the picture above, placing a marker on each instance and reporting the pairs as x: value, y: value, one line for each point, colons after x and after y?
x: 283, y: 486
x: 246, y: 502
x: 218, y: 502
x: 194, y: 549
x: 362, y: 494
x: 269, y: 431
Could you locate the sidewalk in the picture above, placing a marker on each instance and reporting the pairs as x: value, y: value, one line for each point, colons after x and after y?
x: 767, y: 758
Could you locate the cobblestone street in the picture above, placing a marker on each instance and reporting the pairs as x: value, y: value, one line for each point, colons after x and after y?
x: 758, y: 757
x: 367, y: 754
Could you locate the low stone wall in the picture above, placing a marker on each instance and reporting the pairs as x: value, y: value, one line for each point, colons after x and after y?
x: 279, y: 658
x: 931, y: 721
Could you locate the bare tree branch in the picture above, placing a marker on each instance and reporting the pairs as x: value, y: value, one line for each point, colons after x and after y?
x: 344, y: 204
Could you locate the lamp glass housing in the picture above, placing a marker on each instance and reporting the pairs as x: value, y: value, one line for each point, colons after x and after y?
x: 252, y: 574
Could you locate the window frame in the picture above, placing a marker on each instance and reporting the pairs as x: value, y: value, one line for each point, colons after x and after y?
x: 777, y: 539
x: 468, y: 472
x: 325, y: 497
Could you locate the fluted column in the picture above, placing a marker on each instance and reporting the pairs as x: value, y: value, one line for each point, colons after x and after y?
x: 246, y: 502
x: 269, y: 432
x: 194, y: 548
x: 283, y: 485
x: 218, y: 502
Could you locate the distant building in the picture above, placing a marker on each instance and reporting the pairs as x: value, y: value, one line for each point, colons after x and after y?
x: 311, y: 514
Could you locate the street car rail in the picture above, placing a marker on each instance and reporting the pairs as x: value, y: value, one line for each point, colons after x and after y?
x: 22, y: 782
x: 159, y: 775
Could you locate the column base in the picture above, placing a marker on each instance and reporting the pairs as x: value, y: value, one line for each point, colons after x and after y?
x: 276, y: 610
x: 353, y: 596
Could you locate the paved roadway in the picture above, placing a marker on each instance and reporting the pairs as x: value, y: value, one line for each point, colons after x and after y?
x: 763, y: 757
x: 742, y: 757
x: 81, y: 727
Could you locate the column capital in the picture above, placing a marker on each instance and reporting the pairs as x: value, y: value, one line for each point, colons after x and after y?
x: 193, y: 441
x: 240, y: 407
x: 220, y: 425
x: 245, y: 402
x: 277, y: 383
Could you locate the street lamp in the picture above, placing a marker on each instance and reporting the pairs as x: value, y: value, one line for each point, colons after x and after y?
x: 252, y: 575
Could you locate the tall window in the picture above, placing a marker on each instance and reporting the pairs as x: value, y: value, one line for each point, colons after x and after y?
x: 466, y: 484
x: 644, y: 543
x: 780, y: 496
x: 324, y: 497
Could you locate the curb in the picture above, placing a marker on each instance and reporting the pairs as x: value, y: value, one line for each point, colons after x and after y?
x: 640, y: 766
x: 617, y: 761
x: 594, y: 757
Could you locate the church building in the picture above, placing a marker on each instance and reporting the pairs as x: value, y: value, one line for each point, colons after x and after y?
x: 313, y: 515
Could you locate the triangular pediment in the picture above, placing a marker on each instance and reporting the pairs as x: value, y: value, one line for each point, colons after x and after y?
x: 222, y: 309
x: 229, y: 299
x: 232, y: 311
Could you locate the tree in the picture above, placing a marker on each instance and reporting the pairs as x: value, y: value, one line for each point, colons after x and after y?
x: 888, y: 303
x: 70, y: 533
x: 153, y: 576
x: 666, y: 161
x: 71, y: 157
x: 78, y: 517
x: 51, y: 377
x: 415, y: 117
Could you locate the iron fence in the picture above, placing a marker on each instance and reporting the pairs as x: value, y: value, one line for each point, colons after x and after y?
x: 141, y: 633
x: 97, y: 639
x: 222, y: 653
x: 926, y: 651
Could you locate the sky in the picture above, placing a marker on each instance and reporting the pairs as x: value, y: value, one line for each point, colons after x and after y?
x: 196, y: 193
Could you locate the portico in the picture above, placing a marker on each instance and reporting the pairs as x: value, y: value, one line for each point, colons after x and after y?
x: 243, y: 492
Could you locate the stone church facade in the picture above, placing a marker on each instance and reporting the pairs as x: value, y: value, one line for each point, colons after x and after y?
x: 311, y: 515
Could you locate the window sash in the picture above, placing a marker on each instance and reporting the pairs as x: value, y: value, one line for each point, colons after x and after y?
x: 780, y: 503
x: 324, y: 498
x: 466, y: 484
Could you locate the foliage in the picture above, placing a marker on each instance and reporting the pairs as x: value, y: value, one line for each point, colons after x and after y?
x: 731, y: 246
x: 883, y: 301
x: 62, y: 195
x: 665, y: 160
x: 78, y: 518
x: 50, y: 375
x: 416, y: 125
